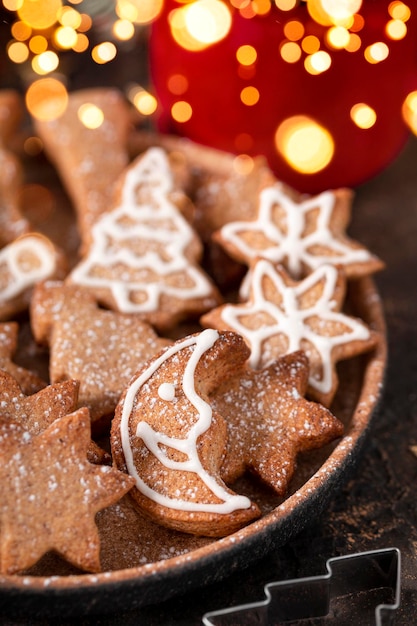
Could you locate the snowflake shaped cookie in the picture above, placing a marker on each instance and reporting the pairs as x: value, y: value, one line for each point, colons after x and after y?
x: 283, y: 316
x: 299, y: 235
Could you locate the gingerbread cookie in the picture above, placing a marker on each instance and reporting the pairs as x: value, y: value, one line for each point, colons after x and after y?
x: 11, y: 115
x: 29, y: 382
x: 301, y: 235
x: 101, y: 349
x: 51, y: 494
x: 12, y: 222
x: 35, y: 412
x: 144, y: 256
x: 166, y: 435
x: 283, y: 315
x: 23, y: 263
x: 270, y: 422
x: 89, y: 157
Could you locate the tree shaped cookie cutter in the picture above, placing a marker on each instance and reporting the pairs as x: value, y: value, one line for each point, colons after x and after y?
x: 362, y: 588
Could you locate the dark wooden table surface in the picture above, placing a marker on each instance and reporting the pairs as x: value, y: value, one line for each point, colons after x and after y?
x: 377, y: 508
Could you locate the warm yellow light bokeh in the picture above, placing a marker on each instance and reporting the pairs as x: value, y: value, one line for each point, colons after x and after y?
x: 246, y: 55
x: 249, y: 95
x: 318, y: 62
x: 286, y: 5
x: 145, y: 102
x: 294, y: 30
x: 363, y: 115
x: 139, y: 11
x: 409, y: 111
x: 46, y: 99
x: 45, y: 63
x: 123, y: 30
x: 305, y: 145
x: 90, y: 115
x: 338, y: 37
x: 104, y: 52
x: 290, y: 51
x: 65, y: 37
x: 181, y: 111
x: 40, y: 14
x: 396, y: 29
x: 377, y: 52
x: 200, y: 24
x: 18, y: 52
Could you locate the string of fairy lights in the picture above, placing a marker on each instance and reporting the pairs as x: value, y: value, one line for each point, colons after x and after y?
x: 41, y: 30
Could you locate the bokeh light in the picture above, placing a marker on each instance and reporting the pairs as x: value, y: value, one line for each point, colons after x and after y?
x: 363, y: 115
x: 46, y: 99
x: 104, y: 52
x: 39, y: 14
x: 90, y: 115
x: 305, y: 145
x: 200, y: 24
x: 181, y: 111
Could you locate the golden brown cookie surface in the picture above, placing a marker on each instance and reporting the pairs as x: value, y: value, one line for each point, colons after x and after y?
x: 269, y: 421
x: 101, y: 349
x: 144, y: 256
x: 301, y: 235
x: 283, y: 315
x: 166, y: 435
x: 51, y: 496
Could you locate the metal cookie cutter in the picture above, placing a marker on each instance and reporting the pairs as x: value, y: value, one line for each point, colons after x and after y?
x: 361, y: 589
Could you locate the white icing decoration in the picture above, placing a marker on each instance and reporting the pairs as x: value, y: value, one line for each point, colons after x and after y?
x: 292, y: 321
x: 187, y: 445
x: 291, y: 245
x: 160, y: 222
x: 166, y: 391
x: 24, y: 277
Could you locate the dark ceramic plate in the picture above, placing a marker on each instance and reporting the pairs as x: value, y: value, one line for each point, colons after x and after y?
x: 143, y: 562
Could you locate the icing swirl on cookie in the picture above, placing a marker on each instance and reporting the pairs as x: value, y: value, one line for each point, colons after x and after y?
x: 26, y: 260
x: 291, y: 242
x: 187, y: 445
x: 293, y: 319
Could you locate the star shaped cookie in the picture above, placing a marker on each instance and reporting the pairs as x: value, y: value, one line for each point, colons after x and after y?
x: 300, y: 235
x: 51, y: 494
x: 283, y: 315
x: 269, y: 421
x: 35, y: 412
x: 101, y: 349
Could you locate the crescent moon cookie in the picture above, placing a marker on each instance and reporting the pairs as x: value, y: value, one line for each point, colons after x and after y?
x: 144, y: 258
x: 283, y: 315
x: 23, y: 263
x: 301, y: 235
x: 166, y: 435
